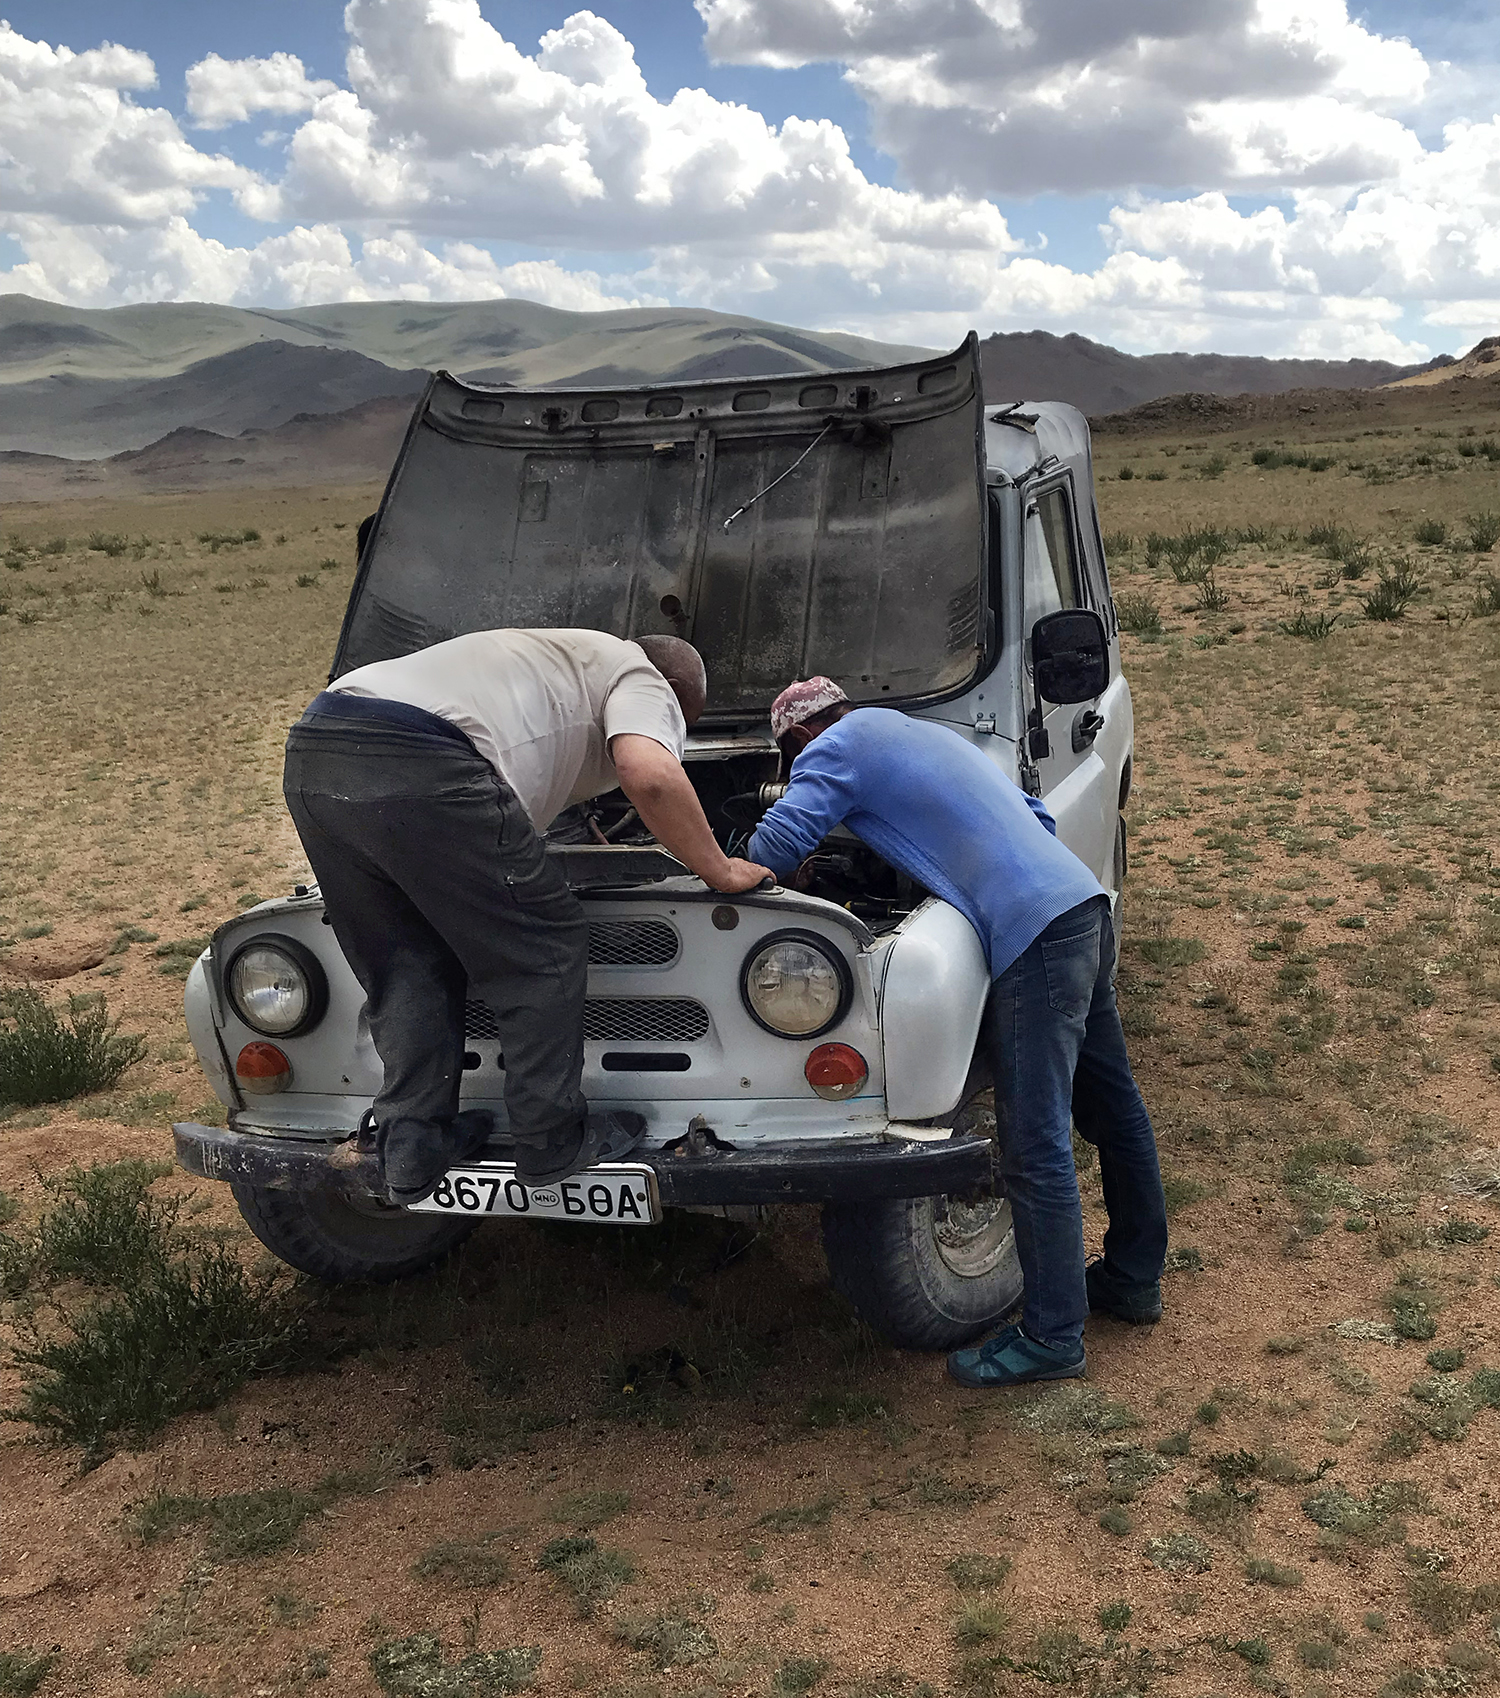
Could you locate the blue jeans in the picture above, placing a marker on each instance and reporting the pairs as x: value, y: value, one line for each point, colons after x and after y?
x: 1058, y: 1054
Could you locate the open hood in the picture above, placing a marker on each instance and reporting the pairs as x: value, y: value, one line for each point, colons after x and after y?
x: 792, y: 525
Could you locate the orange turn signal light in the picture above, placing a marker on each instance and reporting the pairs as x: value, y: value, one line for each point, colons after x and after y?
x: 836, y: 1071
x: 262, y: 1070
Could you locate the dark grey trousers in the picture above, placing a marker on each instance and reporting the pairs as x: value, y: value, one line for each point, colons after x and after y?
x: 437, y: 887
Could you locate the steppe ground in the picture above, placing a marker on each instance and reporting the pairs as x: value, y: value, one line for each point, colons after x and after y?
x: 1278, y: 1488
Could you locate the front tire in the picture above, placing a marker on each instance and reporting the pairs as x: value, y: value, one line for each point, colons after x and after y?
x: 927, y: 1273
x: 335, y: 1239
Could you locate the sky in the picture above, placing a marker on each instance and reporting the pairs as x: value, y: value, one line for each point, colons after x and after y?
x: 1290, y: 177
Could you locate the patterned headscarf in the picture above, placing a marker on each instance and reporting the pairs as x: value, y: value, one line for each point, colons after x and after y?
x: 802, y: 701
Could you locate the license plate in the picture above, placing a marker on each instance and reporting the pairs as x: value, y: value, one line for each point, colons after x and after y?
x: 612, y: 1194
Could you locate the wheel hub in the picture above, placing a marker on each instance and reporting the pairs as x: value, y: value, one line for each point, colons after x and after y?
x: 971, y: 1233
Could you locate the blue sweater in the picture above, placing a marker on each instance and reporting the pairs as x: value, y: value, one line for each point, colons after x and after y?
x: 927, y: 801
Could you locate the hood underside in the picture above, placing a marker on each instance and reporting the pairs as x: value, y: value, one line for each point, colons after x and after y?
x: 682, y: 509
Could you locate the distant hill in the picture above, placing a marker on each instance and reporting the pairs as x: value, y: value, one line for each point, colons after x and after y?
x: 357, y: 445
x: 1034, y: 365
x: 251, y: 388
x: 84, y: 382
x: 1482, y: 360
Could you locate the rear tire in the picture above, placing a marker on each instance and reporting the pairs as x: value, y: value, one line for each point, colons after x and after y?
x: 927, y: 1273
x: 331, y: 1237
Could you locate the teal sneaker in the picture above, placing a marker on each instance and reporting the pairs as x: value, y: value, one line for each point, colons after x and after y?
x: 1010, y: 1358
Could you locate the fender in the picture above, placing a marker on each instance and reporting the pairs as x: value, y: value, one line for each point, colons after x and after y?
x: 203, y: 1030
x: 937, y: 981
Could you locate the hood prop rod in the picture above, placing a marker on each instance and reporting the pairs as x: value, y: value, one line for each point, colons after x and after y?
x: 784, y: 476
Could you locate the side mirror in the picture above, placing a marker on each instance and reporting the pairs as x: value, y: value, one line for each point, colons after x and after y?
x: 1070, y: 656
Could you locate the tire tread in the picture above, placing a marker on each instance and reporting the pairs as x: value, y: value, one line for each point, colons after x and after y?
x: 284, y: 1222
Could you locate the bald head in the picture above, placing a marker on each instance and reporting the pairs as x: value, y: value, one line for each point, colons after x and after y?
x: 682, y: 667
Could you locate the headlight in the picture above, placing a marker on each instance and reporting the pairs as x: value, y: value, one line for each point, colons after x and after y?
x: 795, y: 984
x: 277, y: 987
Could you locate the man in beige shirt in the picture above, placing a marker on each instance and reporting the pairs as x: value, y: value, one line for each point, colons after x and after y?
x: 420, y: 788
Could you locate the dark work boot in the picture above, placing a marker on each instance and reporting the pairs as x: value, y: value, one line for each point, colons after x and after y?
x: 601, y: 1136
x: 1138, y: 1305
x: 415, y: 1154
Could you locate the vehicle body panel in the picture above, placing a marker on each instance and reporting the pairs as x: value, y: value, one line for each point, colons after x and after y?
x: 936, y: 984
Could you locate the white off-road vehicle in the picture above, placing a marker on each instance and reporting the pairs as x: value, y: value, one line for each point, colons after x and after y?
x: 808, y: 1045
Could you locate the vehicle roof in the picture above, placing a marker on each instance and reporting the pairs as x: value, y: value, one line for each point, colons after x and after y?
x: 1022, y: 436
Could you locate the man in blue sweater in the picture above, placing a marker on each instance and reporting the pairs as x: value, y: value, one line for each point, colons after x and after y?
x: 931, y: 804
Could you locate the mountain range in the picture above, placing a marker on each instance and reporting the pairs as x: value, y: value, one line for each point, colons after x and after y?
x: 218, y: 382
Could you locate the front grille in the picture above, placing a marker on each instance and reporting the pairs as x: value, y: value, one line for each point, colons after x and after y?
x: 479, y: 1022
x: 631, y: 943
x: 616, y: 1020
x: 644, y: 1020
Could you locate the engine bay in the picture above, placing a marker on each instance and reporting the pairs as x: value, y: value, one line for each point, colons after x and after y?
x: 736, y: 791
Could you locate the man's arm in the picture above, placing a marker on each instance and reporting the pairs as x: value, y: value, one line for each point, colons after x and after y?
x: 818, y: 798
x: 654, y: 781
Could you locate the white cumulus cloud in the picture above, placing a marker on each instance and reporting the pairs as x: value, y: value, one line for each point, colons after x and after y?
x: 227, y: 91
x: 1274, y: 192
x: 1018, y: 96
x: 76, y: 145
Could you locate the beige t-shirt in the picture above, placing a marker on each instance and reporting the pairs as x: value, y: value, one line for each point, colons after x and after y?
x: 540, y: 706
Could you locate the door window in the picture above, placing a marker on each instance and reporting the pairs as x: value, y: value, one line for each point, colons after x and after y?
x: 1051, y: 567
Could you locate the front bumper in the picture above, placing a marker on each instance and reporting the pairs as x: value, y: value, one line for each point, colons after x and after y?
x: 826, y: 1170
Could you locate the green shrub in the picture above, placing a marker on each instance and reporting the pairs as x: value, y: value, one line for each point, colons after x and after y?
x: 22, y: 1672
x: 672, y: 1637
x: 1412, y: 1311
x: 792, y: 1518
x: 1431, y: 532
x: 1396, y: 587
x: 413, y: 1667
x: 979, y: 1622
x: 590, y: 1571
x: 1267, y: 1573
x: 1179, y: 1553
x: 242, y: 1526
x: 1484, y: 531
x: 1170, y: 951
x: 797, y: 1675
x: 1373, y: 1520
x: 1318, y: 626
x: 843, y: 1409
x: 1487, y: 597
x: 1115, y: 1617
x: 1317, y: 1653
x: 46, y: 1060
x: 105, y: 1227
x: 184, y: 1332
x: 1139, y: 615
x: 973, y: 1573
x: 473, y: 1563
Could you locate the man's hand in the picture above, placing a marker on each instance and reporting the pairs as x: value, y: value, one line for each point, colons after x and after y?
x: 741, y: 876
x: 654, y: 781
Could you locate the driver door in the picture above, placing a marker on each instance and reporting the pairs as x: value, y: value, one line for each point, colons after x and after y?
x: 1075, y: 783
